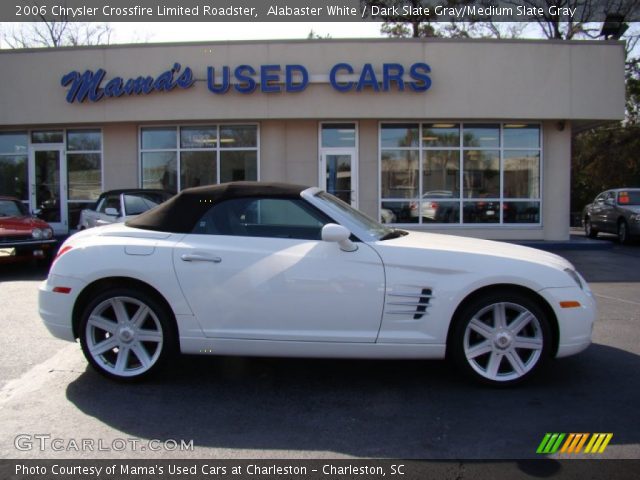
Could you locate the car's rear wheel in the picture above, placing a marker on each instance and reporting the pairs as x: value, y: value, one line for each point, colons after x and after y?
x: 501, y: 338
x: 623, y: 233
x: 589, y: 231
x: 126, y: 334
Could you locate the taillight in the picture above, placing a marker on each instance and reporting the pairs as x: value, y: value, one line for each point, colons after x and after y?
x: 413, y: 205
x: 434, y: 205
x: 61, y: 252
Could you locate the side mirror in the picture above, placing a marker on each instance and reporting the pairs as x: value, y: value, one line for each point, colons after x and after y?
x: 111, y: 211
x: 332, y: 232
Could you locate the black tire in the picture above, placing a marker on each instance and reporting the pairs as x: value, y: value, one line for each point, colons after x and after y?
x: 133, y: 344
x: 589, y: 231
x: 623, y: 233
x: 529, y: 342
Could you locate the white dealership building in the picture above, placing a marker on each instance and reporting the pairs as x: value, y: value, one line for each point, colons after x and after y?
x: 471, y: 137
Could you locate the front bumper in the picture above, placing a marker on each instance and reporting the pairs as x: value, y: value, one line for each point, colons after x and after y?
x: 634, y: 228
x: 56, y: 309
x: 575, y: 325
x: 26, y: 248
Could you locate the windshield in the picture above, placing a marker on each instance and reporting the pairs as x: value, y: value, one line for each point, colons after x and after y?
x: 374, y: 228
x: 11, y: 208
x: 629, y: 197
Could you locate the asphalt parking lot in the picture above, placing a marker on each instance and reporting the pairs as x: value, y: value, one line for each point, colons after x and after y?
x: 292, y: 408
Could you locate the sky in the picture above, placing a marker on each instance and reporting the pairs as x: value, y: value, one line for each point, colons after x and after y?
x: 126, y: 32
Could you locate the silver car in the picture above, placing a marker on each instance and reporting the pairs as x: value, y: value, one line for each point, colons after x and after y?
x: 120, y: 205
x: 614, y: 211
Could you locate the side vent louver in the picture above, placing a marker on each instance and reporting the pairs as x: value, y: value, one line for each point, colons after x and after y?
x: 406, y: 303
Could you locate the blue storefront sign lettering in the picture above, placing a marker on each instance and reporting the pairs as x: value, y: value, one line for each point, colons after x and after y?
x: 272, y: 78
x: 89, y: 85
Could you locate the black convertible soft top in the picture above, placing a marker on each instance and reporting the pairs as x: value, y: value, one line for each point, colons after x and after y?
x: 180, y: 213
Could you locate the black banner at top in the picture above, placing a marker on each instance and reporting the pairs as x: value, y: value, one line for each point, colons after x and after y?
x: 319, y: 10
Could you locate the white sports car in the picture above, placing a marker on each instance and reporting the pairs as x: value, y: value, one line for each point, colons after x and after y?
x: 281, y: 270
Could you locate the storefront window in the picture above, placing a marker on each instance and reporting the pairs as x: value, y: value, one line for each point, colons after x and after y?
x: 85, y: 181
x: 482, y: 136
x: 238, y: 136
x: 198, y: 168
x: 441, y: 173
x: 47, y: 136
x: 440, y: 135
x: 399, y: 135
x: 237, y: 165
x: 400, y: 177
x: 468, y: 173
x: 159, y: 171
x: 204, y: 155
x: 521, y: 173
x: 198, y: 137
x: 481, y: 177
x: 338, y: 135
x: 84, y: 171
x: 84, y: 164
x: 158, y: 138
x: 84, y: 140
x: 520, y: 135
x: 13, y: 164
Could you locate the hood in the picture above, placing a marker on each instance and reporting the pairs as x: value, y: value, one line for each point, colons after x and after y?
x: 482, y: 248
x: 20, y: 225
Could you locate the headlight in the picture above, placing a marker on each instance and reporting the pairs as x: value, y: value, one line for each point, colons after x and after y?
x: 576, y: 278
x: 47, y: 233
x: 36, y: 233
x: 635, y: 218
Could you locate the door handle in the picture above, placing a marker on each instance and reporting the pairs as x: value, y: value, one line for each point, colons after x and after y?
x: 198, y: 257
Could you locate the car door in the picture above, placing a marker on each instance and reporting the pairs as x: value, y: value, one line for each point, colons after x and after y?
x: 608, y: 213
x: 257, y: 269
x: 597, y: 211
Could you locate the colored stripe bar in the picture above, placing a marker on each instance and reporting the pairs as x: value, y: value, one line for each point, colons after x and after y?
x: 543, y: 443
x: 550, y: 443
x: 582, y: 442
x: 606, y: 441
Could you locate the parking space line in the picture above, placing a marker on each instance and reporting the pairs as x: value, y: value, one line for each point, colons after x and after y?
x: 617, y: 299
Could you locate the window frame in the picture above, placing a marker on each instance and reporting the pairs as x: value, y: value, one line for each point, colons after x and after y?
x: 501, y: 149
x: 178, y: 148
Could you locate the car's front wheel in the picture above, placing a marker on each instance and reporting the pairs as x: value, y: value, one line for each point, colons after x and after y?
x: 501, y: 338
x: 623, y: 233
x: 126, y: 334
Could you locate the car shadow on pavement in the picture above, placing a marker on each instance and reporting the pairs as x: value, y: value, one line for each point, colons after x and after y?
x: 400, y: 409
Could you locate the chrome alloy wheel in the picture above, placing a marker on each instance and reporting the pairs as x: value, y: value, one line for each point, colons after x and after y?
x: 124, y: 336
x: 503, y: 341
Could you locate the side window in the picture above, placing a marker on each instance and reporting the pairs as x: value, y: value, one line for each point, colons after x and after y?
x: 263, y: 217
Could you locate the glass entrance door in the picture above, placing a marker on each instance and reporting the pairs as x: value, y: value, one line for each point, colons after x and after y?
x: 48, y: 191
x: 339, y: 175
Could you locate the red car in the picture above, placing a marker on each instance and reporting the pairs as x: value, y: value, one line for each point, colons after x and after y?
x: 23, y: 236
